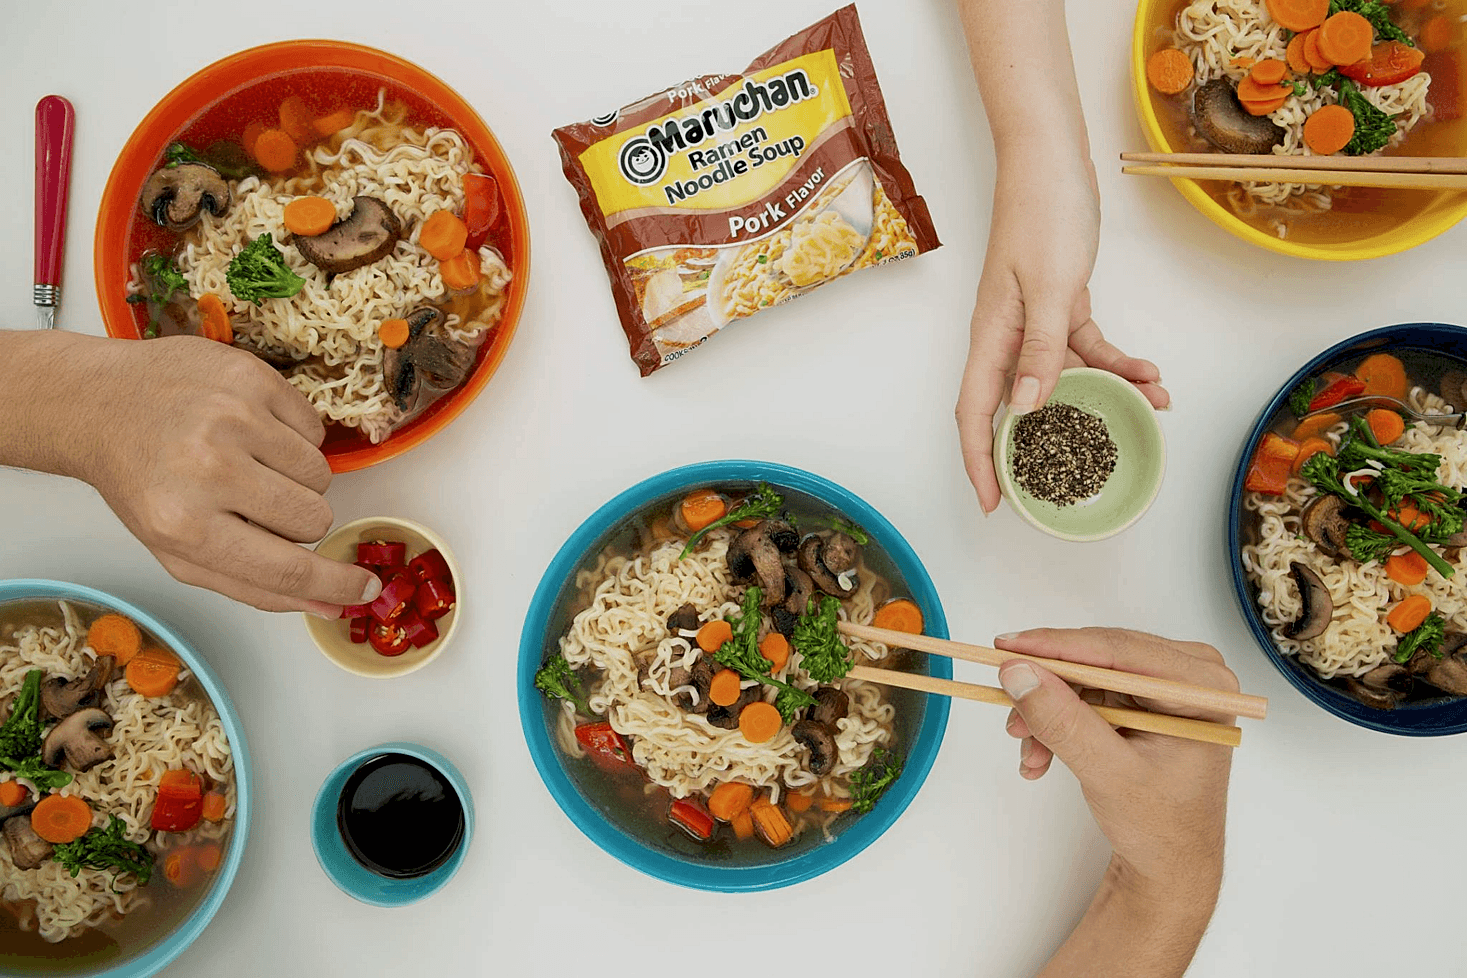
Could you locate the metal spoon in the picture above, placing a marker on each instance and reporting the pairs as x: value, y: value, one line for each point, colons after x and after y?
x: 1349, y: 404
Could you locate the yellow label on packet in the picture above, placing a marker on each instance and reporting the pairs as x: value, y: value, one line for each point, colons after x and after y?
x: 732, y: 148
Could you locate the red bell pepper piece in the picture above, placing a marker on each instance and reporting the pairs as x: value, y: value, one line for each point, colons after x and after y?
x: 690, y: 816
x: 481, y: 208
x: 430, y: 565
x: 359, y: 626
x: 1271, y: 465
x: 1336, y: 392
x: 1390, y: 63
x: 604, y: 745
x: 419, y: 632
x: 396, y: 597
x: 433, y: 599
x: 383, y: 554
x: 389, y: 638
x: 180, y: 802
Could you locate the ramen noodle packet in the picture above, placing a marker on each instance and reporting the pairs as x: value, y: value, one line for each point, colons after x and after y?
x: 728, y: 194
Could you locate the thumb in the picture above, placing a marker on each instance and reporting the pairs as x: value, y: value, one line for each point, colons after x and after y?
x: 1061, y: 721
x: 1042, y: 353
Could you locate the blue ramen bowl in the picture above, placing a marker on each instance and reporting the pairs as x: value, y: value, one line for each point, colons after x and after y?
x: 1428, y: 718
x: 350, y: 876
x: 142, y: 961
x: 553, y: 607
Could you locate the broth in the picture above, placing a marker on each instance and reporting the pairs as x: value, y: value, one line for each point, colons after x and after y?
x: 24, y: 952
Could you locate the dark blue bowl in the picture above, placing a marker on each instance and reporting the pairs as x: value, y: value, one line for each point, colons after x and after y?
x: 1424, y: 719
x: 639, y: 853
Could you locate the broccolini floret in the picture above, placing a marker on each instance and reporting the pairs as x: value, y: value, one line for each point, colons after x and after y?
x: 1426, y: 637
x: 259, y: 272
x: 557, y: 680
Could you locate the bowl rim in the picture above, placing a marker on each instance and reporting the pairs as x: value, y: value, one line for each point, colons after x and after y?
x: 404, y: 664
x: 1314, y: 689
x: 1006, y: 480
x: 167, y: 948
x: 203, y: 88
x: 354, y: 879
x: 1418, y: 230
x: 612, y: 840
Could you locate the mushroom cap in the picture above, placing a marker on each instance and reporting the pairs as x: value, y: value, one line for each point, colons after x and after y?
x: 753, y: 557
x: 61, y: 699
x: 840, y: 553
x: 800, y: 590
x: 831, y: 704
x: 1318, y: 607
x: 27, y: 849
x: 1221, y: 119
x: 75, y: 739
x: 176, y: 196
x: 1324, y: 522
x: 1380, y: 699
x: 811, y: 557
x: 430, y: 359
x: 1453, y: 389
x: 819, y: 742
x: 1448, y: 674
x: 685, y: 619
x: 367, y: 234
x: 727, y: 717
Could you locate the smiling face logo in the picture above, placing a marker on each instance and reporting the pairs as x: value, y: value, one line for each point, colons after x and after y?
x: 641, y: 162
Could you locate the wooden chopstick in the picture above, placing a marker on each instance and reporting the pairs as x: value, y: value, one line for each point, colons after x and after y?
x: 1187, y: 729
x: 1182, y: 694
x: 1331, y: 178
x: 1374, y: 164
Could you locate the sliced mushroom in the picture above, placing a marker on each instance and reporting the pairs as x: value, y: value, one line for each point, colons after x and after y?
x: 1325, y: 523
x: 61, y: 699
x: 430, y: 363
x: 819, y: 742
x: 1221, y: 120
x: 812, y: 551
x: 367, y: 234
x: 840, y: 553
x: 1318, y: 608
x: 727, y: 717
x: 76, y: 740
x: 1448, y: 673
x: 800, y: 588
x: 753, y: 558
x: 1380, y: 699
x: 700, y: 677
x: 831, y: 704
x: 784, y: 621
x: 27, y: 850
x: 1390, y: 676
x: 1453, y: 389
x: 782, y: 535
x: 685, y: 619
x: 11, y: 811
x: 176, y: 196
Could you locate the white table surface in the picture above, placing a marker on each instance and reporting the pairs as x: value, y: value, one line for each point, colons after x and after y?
x: 1334, y: 830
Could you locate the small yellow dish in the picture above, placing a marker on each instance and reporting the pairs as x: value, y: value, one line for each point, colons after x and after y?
x: 1415, y: 215
x: 333, y: 638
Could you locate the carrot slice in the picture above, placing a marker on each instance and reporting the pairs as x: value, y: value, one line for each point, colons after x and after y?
x: 1328, y: 129
x: 1269, y: 71
x: 713, y: 634
x: 214, y: 320
x: 1169, y: 71
x: 461, y: 273
x: 1313, y: 55
x: 115, y: 635
x: 743, y: 825
x: 443, y: 235
x: 153, y: 672
x: 181, y: 867
x: 1295, y: 55
x: 724, y: 689
x: 1315, y: 425
x: 1437, y: 34
x: 759, y: 722
x: 701, y: 507
x: 214, y: 806
x: 1250, y: 90
x: 1346, y: 38
x: 394, y: 333
x: 309, y: 216
x: 275, y: 150
x: 729, y: 800
x: 776, y: 648
x: 60, y: 819
x: 1308, y: 449
x: 333, y: 122
x: 1407, y: 568
x: 248, y: 137
x: 1406, y: 616
x: 12, y: 794
x: 1264, y: 108
x: 835, y: 804
x: 1298, y: 15
x: 1385, y: 425
x: 209, y: 856
x: 1384, y: 376
x: 900, y: 615
x: 297, y: 119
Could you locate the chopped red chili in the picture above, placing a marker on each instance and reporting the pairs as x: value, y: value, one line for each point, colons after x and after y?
x: 396, y: 597
x: 389, y: 638
x: 430, y: 565
x: 383, y: 554
x: 359, y: 626
x: 604, y: 744
x: 481, y: 207
x: 419, y: 631
x: 433, y: 599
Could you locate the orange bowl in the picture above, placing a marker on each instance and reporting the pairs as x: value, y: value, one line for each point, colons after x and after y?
x: 210, y: 86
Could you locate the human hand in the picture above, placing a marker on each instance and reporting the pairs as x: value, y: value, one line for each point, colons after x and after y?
x: 213, y: 461
x: 1032, y: 316
x: 1161, y: 801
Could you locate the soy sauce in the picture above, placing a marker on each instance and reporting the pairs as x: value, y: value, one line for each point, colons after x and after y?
x: 399, y: 816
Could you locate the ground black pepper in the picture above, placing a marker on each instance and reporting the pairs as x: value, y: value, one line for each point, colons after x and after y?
x: 1062, y: 454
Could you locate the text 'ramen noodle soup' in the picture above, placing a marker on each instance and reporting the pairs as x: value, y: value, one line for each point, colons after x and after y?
x: 727, y: 194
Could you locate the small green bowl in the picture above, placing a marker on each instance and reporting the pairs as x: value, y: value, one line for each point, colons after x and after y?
x: 1140, y: 461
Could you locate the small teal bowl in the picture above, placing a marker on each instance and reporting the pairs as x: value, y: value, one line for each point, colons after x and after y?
x: 1428, y: 718
x: 147, y: 961
x: 350, y: 876
x: 637, y: 852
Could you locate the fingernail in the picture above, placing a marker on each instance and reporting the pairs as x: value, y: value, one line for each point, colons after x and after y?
x: 1006, y: 637
x: 1019, y: 680
x: 374, y: 588
x: 1026, y: 395
x: 323, y: 616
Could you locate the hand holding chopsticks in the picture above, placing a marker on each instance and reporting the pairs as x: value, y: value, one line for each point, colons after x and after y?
x: 1189, y: 696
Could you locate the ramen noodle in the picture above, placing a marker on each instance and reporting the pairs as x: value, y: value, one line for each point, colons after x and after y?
x: 729, y: 194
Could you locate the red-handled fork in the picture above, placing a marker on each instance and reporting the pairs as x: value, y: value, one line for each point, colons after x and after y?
x: 55, y: 121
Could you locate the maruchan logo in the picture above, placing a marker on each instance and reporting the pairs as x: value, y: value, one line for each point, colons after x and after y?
x: 642, y: 162
x: 607, y: 119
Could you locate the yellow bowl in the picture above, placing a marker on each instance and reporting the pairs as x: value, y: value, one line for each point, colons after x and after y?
x: 333, y: 638
x: 1403, y: 219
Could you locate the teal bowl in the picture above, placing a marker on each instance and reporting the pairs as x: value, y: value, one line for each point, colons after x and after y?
x: 1140, y: 460
x: 639, y: 850
x: 149, y: 959
x: 350, y: 876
